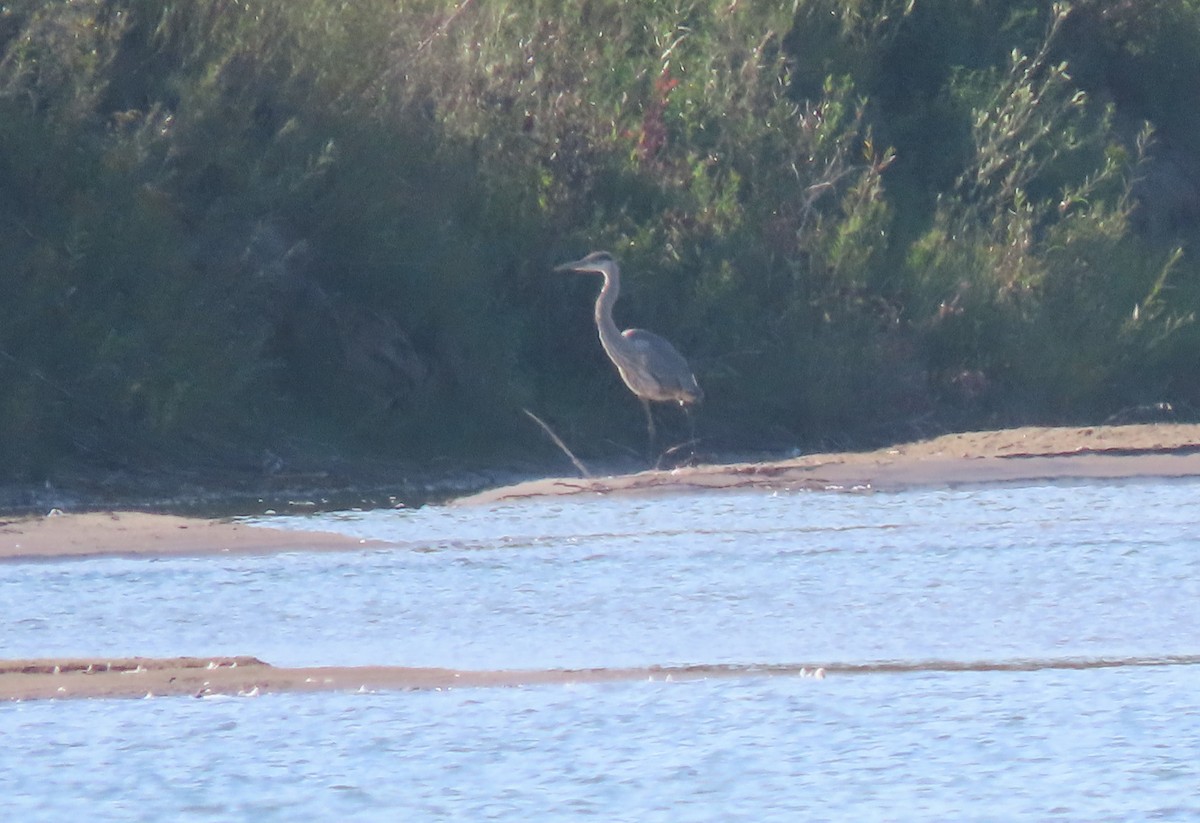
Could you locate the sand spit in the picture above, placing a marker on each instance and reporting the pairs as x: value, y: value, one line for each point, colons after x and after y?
x: 1024, y: 455
x: 95, y: 534
x: 203, y: 677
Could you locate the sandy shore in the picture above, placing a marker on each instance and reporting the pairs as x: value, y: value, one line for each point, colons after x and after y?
x: 95, y: 534
x: 1024, y: 455
x: 62, y: 679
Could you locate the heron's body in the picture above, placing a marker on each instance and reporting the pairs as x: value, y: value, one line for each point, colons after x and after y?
x: 661, y: 374
x: 650, y: 366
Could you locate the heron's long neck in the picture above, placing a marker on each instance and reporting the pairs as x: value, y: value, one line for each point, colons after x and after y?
x: 610, y: 336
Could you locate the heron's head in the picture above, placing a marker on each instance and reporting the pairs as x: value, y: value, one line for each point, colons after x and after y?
x: 599, y: 262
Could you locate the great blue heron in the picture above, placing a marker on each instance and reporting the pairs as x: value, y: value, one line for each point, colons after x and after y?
x: 650, y: 366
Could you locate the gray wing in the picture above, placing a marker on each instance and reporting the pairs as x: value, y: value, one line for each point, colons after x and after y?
x: 660, y: 362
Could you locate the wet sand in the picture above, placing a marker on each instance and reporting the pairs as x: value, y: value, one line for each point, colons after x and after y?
x: 1024, y: 455
x: 61, y: 679
x: 250, y: 677
x: 976, y: 458
x: 96, y: 534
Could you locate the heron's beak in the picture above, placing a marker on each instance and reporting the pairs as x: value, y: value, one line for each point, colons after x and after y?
x: 574, y: 265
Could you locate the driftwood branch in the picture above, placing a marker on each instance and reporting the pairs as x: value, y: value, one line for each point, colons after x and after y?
x: 558, y: 442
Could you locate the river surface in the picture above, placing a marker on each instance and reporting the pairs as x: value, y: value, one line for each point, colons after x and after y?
x: 1040, y: 576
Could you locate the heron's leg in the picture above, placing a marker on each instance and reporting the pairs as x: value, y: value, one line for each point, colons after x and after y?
x: 649, y: 423
x: 687, y: 410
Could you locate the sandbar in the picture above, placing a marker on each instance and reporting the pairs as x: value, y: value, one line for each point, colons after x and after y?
x: 133, y: 534
x: 212, y: 677
x: 1022, y: 455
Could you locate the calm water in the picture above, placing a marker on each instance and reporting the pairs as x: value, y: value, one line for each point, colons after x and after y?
x: 1049, y: 573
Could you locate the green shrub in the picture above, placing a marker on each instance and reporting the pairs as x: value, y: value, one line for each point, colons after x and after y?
x: 1030, y: 283
x: 321, y: 227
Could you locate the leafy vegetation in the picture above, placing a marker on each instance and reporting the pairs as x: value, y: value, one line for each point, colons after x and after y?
x: 300, y: 228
